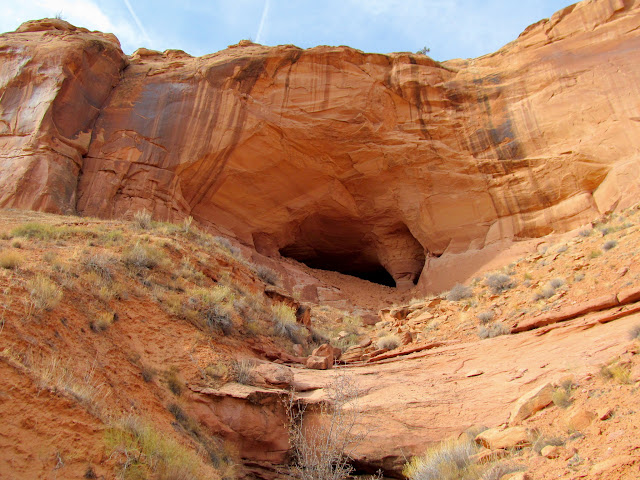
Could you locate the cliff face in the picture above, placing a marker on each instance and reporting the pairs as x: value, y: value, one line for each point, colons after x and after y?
x: 347, y: 161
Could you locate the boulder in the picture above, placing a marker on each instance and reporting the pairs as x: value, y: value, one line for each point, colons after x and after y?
x: 318, y: 363
x: 579, y: 419
x: 271, y: 374
x: 531, y: 402
x: 495, y: 439
x: 328, y: 351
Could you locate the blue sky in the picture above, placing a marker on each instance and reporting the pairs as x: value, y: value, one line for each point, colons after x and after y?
x: 450, y: 28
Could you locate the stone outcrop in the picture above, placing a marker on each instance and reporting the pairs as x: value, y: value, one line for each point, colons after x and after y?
x: 377, y: 165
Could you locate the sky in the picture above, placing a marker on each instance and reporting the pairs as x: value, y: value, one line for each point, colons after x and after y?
x: 449, y: 28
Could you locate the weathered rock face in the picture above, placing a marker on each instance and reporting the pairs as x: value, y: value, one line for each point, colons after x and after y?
x: 362, y: 163
x: 54, y: 79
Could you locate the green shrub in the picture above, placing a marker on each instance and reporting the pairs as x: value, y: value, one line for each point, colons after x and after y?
x: 36, y: 230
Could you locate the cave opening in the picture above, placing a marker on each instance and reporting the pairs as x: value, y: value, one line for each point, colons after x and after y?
x: 343, y: 245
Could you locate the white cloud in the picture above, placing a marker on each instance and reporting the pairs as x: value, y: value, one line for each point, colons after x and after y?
x: 263, y: 21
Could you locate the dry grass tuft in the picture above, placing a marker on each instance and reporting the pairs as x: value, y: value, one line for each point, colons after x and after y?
x: 43, y: 293
x: 10, y: 260
x: 389, y: 342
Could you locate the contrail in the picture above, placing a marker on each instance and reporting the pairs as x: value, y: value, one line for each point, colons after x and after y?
x: 138, y: 22
x: 263, y: 20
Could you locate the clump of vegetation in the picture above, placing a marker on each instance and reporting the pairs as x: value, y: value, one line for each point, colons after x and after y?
x: 267, y: 275
x: 449, y: 460
x: 35, y: 230
x: 102, y: 322
x: 485, y: 317
x: 595, y: 253
x: 214, y: 306
x: 608, y: 245
x: 492, y: 330
x: 561, y: 396
x: 459, y: 292
x: 618, y: 372
x: 284, y: 322
x: 499, y: 282
x: 101, y: 264
x: 243, y: 371
x: 143, y: 220
x: 147, y: 374
x: 144, y: 452
x: 556, y: 282
x: 10, y: 260
x: 43, y: 293
x: 142, y: 256
x: 173, y: 381
x: 388, y: 342
x: 585, y: 232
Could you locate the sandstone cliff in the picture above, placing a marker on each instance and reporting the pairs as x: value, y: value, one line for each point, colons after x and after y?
x: 362, y: 163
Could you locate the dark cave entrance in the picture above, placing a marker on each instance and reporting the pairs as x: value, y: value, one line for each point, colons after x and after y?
x: 364, y: 268
x: 343, y: 245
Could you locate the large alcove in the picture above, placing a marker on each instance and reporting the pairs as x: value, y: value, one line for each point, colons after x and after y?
x: 349, y: 246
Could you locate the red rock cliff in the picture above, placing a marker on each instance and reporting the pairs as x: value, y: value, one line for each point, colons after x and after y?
x: 344, y: 160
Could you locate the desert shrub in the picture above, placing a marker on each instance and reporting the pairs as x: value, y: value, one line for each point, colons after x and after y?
x: 585, y: 232
x: 216, y: 370
x: 492, y: 330
x: 556, y: 282
x: 10, y: 260
x: 186, y: 224
x: 562, y: 397
x: 43, y: 293
x: 608, y: 245
x: 173, y: 381
x: 36, y: 230
x: 267, y: 275
x: 214, y: 306
x: 449, y: 460
x: 617, y: 372
x: 243, y: 371
x: 142, y: 220
x: 284, y: 322
x: 578, y: 277
x: 147, y: 374
x: 498, y: 282
x: 389, y: 342
x: 321, y: 449
x: 595, y: 253
x: 634, y: 333
x: 102, y: 322
x: 562, y: 248
x: 142, y: 256
x: 143, y: 452
x: 459, y: 292
x: 226, y: 244
x: 99, y: 263
x: 485, y: 317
